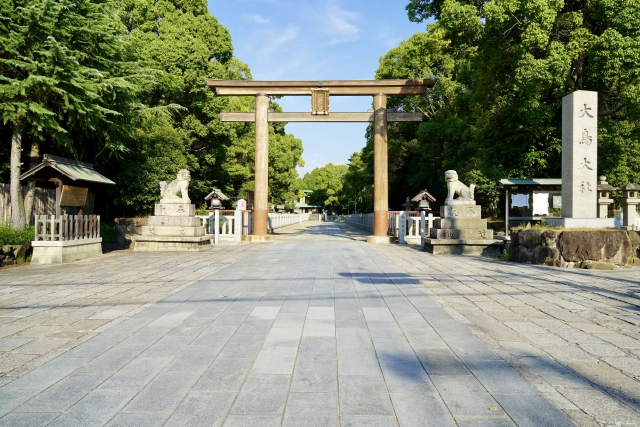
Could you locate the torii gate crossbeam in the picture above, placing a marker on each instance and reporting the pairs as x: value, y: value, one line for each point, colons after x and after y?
x: 379, y: 89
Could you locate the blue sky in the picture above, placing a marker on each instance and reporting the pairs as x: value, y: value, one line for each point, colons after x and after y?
x: 316, y: 40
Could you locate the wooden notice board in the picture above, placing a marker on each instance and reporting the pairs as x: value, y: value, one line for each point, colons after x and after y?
x: 73, y: 196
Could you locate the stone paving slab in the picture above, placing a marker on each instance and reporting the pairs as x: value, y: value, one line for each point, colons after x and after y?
x: 47, y: 310
x: 317, y: 328
x: 572, y: 334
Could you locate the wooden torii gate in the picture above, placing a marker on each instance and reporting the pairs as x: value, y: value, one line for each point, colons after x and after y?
x: 320, y: 91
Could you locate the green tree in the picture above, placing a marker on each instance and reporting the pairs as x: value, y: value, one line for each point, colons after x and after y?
x: 358, y: 182
x: 190, y: 45
x: 285, y: 154
x: 67, y: 79
x: 326, y: 183
x: 156, y: 154
x: 504, y: 67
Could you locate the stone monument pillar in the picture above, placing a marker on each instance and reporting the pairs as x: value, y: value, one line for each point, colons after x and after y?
x: 580, y: 154
x: 174, y: 226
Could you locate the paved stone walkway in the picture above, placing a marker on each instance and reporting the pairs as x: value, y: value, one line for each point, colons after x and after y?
x: 316, y: 329
x: 573, y: 334
x: 47, y: 310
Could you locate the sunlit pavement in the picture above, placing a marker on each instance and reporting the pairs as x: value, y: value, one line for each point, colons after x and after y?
x: 316, y: 329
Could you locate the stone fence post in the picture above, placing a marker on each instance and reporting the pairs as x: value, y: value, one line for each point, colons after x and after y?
x: 423, y: 229
x: 237, y: 226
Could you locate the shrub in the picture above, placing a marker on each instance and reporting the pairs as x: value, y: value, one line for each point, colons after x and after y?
x: 107, y: 232
x: 10, y: 236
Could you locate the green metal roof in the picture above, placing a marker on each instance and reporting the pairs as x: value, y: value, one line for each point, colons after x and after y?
x: 530, y: 181
x: 307, y: 206
x: 73, y: 169
x: 218, y: 193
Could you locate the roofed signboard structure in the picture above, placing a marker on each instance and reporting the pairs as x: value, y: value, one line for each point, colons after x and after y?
x: 62, y: 172
x: 378, y: 89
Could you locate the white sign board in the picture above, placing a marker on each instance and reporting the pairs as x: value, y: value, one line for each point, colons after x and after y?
x: 242, y: 205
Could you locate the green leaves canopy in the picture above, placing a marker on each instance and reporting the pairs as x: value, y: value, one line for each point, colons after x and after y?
x: 504, y: 66
x: 189, y: 45
x: 327, y: 185
x: 67, y: 75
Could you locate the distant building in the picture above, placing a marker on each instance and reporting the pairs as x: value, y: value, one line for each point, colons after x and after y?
x: 301, y: 205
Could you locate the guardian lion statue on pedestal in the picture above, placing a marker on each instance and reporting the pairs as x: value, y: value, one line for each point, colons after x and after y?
x: 455, y: 187
x: 169, y: 192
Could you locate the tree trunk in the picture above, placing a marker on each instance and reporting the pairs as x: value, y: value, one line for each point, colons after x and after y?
x: 34, y: 160
x: 17, y: 202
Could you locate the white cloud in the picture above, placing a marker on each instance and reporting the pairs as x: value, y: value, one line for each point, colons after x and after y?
x: 276, y: 38
x: 256, y: 18
x: 280, y: 69
x: 341, y: 27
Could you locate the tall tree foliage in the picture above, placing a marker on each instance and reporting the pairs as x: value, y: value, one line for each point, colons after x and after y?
x: 504, y: 66
x: 67, y: 79
x: 327, y: 185
x: 186, y: 42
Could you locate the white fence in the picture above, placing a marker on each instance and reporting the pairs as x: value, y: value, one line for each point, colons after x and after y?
x: 405, y: 227
x: 66, y: 227
x: 231, y: 228
x: 360, y: 220
x: 277, y: 220
x: 227, y: 228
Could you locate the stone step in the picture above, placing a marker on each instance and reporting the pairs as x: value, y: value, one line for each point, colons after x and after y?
x: 453, y: 223
x: 168, y: 243
x: 174, y: 209
x: 174, y: 221
x: 172, y: 231
x: 482, y: 247
x: 461, y: 233
x: 460, y: 211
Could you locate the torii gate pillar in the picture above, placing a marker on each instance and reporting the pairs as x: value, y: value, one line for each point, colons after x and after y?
x: 380, y: 172
x: 261, y: 187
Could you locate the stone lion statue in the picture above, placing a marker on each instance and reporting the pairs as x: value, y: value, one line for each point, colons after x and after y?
x: 169, y: 192
x: 455, y: 187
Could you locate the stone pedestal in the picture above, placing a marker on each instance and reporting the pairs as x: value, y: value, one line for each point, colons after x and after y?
x: 59, y: 252
x: 629, y: 213
x: 461, y: 230
x: 604, y: 199
x: 629, y: 203
x: 174, y: 227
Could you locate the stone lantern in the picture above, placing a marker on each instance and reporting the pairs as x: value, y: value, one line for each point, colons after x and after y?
x: 407, y: 204
x: 423, y: 200
x: 604, y: 197
x: 629, y: 203
x: 216, y: 203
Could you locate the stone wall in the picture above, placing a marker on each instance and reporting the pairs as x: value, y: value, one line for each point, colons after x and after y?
x: 602, y: 249
x: 13, y: 254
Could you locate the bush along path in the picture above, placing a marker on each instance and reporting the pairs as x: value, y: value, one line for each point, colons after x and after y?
x: 15, y: 245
